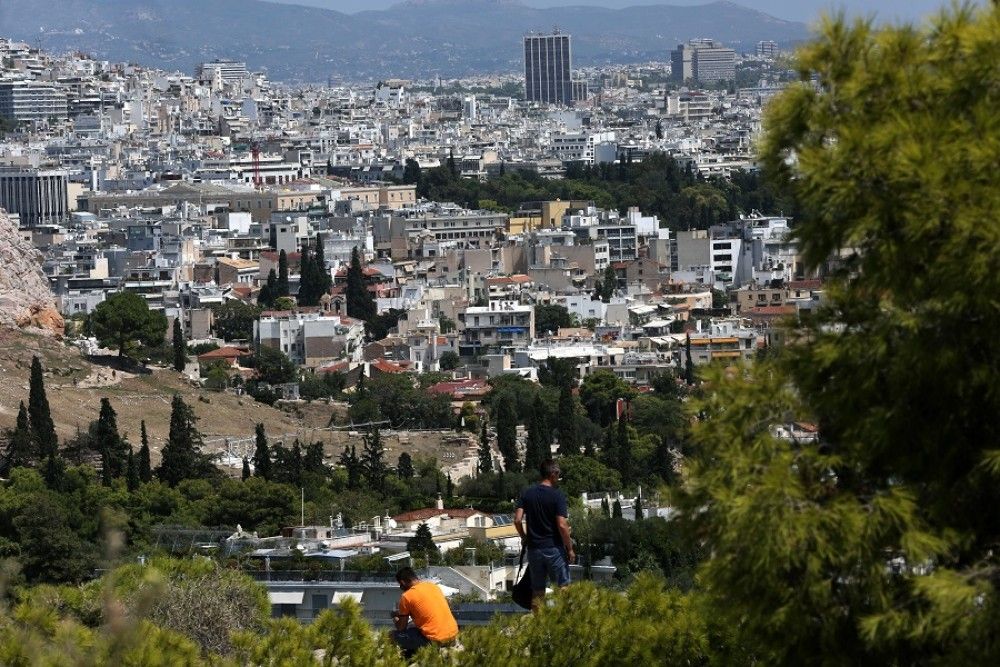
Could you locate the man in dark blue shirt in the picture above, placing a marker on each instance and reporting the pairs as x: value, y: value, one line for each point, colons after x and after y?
x: 546, y: 538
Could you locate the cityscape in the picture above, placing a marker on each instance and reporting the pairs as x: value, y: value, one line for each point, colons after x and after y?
x: 283, y: 340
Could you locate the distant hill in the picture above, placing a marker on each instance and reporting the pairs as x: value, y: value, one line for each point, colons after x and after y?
x: 418, y: 38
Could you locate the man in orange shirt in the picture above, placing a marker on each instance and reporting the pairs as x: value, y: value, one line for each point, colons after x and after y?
x: 424, y: 602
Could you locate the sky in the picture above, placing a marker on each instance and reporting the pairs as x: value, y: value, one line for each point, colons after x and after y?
x: 795, y: 10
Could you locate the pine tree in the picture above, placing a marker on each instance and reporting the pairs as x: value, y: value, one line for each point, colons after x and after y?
x: 373, y: 460
x: 108, y: 442
x: 360, y: 303
x: 181, y: 457
x: 485, y: 465
x: 404, y: 467
x: 569, y: 440
x: 281, y: 285
x: 43, y: 430
x: 21, y: 451
x: 180, y: 347
x: 539, y: 447
x: 688, y: 362
x: 246, y: 469
x: 506, y: 427
x: 261, y: 454
x: 422, y: 544
x: 144, y: 464
x: 131, y: 471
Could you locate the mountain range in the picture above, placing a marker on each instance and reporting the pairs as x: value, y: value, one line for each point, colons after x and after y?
x: 414, y: 39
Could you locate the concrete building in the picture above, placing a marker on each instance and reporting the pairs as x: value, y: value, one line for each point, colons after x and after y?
x: 311, y: 338
x: 704, y: 61
x: 37, y: 196
x: 501, y: 324
x: 548, y: 69
x: 23, y: 100
x: 767, y: 49
x: 221, y: 71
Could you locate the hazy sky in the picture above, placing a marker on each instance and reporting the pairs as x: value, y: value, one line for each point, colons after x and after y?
x: 798, y: 10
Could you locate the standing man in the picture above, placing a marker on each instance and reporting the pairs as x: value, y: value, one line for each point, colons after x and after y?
x: 424, y: 602
x: 547, y: 540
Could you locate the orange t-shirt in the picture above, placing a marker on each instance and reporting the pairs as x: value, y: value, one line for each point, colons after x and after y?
x: 426, y: 604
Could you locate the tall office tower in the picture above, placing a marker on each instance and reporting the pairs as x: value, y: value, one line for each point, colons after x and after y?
x: 767, y: 49
x: 703, y: 60
x: 23, y: 100
x: 547, y: 69
x: 38, y: 196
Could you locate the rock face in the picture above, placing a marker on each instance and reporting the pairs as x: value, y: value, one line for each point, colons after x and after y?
x: 25, y: 297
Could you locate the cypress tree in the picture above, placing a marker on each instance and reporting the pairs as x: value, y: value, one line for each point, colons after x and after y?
x: 404, y: 467
x: 144, y: 465
x: 131, y: 471
x: 538, y: 446
x: 506, y: 427
x: 625, y: 450
x: 43, y: 430
x: 569, y: 441
x: 246, y: 469
x: 21, y: 450
x: 688, y: 362
x: 54, y: 471
x: 452, y: 164
x: 281, y: 286
x: 616, y: 510
x: 261, y: 454
x: 373, y: 460
x: 269, y: 291
x: 449, y: 487
x: 605, y: 508
x: 312, y: 462
x: 307, y: 278
x: 180, y: 347
x: 323, y: 280
x: 349, y: 459
x: 182, y: 458
x: 360, y: 303
x: 485, y: 465
x: 108, y: 442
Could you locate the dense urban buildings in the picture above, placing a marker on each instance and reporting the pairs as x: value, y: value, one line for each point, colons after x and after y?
x: 704, y: 61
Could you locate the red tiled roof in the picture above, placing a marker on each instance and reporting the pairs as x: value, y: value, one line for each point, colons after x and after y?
x: 224, y: 353
x: 812, y: 283
x: 388, y: 367
x: 463, y: 388
x: 431, y: 512
x: 335, y: 367
x: 274, y: 255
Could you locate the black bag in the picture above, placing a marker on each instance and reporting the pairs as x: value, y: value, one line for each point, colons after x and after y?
x: 521, y: 592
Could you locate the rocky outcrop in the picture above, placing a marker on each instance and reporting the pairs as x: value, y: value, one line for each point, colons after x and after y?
x: 25, y: 298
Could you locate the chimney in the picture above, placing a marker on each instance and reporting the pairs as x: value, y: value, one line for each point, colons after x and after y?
x: 440, y: 502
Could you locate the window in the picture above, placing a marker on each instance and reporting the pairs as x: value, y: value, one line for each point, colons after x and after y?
x: 319, y: 603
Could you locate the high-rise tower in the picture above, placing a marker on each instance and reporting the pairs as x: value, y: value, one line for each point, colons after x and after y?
x: 547, y: 69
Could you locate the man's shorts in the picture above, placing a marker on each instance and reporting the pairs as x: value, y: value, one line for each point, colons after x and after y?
x: 545, y: 564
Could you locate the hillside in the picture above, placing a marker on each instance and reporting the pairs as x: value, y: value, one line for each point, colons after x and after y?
x: 415, y: 39
x: 75, y: 386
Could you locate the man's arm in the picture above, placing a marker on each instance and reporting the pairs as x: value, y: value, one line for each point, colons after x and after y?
x: 518, y: 522
x: 401, y: 620
x: 567, y: 542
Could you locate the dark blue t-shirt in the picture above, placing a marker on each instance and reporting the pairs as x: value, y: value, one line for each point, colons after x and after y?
x: 542, y: 506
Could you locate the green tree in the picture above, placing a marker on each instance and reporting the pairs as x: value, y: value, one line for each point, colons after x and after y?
x: 246, y: 474
x: 108, y: 442
x: 882, y: 528
x: 124, y: 320
x: 132, y: 480
x: 21, y: 451
x: 539, y: 444
x: 506, y: 427
x: 485, y: 464
x: 234, y: 319
x: 689, y: 373
x: 353, y: 465
x: 580, y: 474
x: 182, y: 457
x: 180, y: 347
x: 404, y: 467
x: 43, y: 430
x: 144, y: 464
x: 261, y: 453
x: 566, y: 427
x: 422, y: 545
x: 281, y: 285
x: 268, y: 293
x: 360, y: 303
x: 373, y: 460
x: 273, y: 366
x: 599, y: 394
x: 449, y: 361
x: 551, y: 318
x: 411, y: 172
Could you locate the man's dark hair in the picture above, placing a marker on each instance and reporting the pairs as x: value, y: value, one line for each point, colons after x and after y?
x: 406, y: 574
x: 547, y: 468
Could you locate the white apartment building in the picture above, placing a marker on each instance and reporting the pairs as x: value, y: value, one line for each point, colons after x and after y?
x: 589, y: 147
x: 499, y: 325
x: 311, y: 338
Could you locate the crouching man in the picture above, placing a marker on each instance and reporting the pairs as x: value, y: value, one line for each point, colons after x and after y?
x: 423, y: 602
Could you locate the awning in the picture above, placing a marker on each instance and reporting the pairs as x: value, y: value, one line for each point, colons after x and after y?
x: 340, y: 596
x: 285, y: 597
